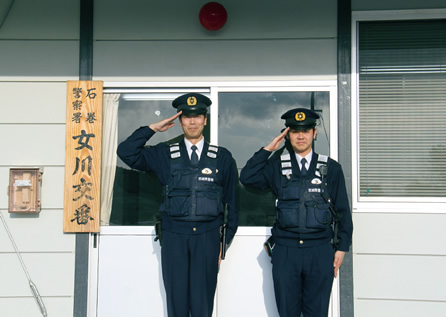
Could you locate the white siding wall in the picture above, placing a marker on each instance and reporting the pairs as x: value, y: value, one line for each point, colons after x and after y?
x: 399, y: 262
x: 399, y: 258
x: 39, y: 52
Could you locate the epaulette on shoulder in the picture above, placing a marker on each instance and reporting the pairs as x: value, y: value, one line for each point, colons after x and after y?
x: 322, y: 158
x: 212, y: 151
x: 322, y: 165
x: 285, y: 161
x: 285, y: 164
x: 174, y: 150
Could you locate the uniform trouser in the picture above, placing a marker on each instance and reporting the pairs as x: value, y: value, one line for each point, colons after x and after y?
x: 190, y: 268
x: 303, y: 279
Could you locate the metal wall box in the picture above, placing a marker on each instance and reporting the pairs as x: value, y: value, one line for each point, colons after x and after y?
x: 24, y: 190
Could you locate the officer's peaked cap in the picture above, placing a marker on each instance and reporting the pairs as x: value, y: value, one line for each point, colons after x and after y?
x: 300, y: 118
x: 192, y: 103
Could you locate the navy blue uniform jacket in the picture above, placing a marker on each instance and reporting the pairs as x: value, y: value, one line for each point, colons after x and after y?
x: 263, y: 173
x: 157, y: 159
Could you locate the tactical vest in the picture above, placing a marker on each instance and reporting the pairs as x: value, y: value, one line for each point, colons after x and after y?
x: 192, y: 193
x: 300, y: 205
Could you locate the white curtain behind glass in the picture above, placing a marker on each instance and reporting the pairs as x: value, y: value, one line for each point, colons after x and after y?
x: 109, y: 145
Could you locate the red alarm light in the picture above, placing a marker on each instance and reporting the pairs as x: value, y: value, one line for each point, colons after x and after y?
x: 213, y: 16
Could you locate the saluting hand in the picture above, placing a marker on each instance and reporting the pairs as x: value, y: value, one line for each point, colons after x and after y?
x: 275, y: 143
x: 165, y: 124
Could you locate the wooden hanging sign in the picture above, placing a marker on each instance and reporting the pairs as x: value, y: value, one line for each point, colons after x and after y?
x: 83, y: 143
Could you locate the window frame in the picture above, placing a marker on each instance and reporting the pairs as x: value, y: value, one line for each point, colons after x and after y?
x: 240, y: 86
x: 330, y: 87
x: 213, y: 89
x: 384, y: 204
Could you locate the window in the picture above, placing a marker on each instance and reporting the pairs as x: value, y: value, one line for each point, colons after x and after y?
x: 402, y: 108
x: 137, y: 195
x: 247, y: 121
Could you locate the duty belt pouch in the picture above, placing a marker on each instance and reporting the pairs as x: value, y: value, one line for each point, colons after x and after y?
x: 269, y: 245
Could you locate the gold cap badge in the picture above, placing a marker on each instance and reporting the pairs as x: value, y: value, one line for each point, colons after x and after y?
x: 206, y: 171
x: 191, y: 101
x: 300, y: 116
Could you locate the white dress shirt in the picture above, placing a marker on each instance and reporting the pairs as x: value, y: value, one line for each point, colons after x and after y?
x: 307, y: 157
x: 199, y: 146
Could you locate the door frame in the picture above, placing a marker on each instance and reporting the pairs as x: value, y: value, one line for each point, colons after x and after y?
x: 215, y: 88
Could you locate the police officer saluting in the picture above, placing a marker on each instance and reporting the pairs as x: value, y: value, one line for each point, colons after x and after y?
x: 313, y: 228
x: 199, y: 181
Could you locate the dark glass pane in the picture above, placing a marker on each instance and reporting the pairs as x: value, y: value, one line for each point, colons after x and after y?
x: 137, y: 195
x: 249, y: 121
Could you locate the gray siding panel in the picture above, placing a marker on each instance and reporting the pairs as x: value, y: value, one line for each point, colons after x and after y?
x: 399, y: 261
x: 45, y: 19
x: 32, y: 84
x: 312, y: 58
x: 36, y: 233
x: 248, y: 19
x: 41, y: 59
x: 33, y: 102
x: 392, y: 308
x: 397, y: 277
x: 387, y: 233
x: 33, y: 145
x: 27, y: 307
x: 53, y: 188
x: 51, y: 272
x: 149, y: 40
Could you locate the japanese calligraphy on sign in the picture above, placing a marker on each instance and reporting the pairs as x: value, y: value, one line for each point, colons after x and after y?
x: 83, y: 156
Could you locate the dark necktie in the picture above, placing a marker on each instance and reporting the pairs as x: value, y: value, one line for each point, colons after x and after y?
x: 194, y: 156
x: 303, y: 168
